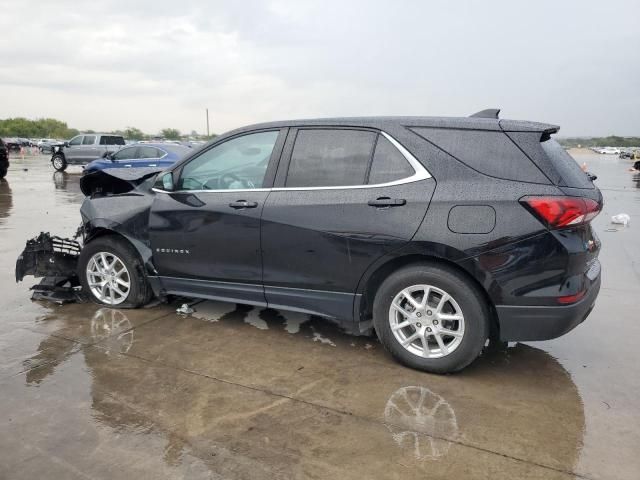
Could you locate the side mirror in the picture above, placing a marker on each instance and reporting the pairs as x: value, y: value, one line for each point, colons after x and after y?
x: 165, y: 182
x: 66, y: 144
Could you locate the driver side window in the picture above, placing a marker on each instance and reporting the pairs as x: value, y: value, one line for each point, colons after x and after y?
x: 76, y: 140
x: 239, y: 163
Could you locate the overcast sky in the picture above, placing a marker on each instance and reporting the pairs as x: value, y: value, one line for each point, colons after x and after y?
x: 108, y: 64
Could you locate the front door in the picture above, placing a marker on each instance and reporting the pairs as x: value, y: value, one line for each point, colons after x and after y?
x: 205, y: 235
x: 347, y: 197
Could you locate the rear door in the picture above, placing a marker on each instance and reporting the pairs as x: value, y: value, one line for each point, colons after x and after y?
x: 342, y: 199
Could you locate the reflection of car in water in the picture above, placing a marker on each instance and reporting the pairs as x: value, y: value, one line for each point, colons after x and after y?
x: 420, y: 423
x: 68, y: 187
x: 6, y: 200
x: 4, y: 159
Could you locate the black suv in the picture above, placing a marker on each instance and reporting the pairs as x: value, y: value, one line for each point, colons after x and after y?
x: 439, y: 233
x: 4, y: 159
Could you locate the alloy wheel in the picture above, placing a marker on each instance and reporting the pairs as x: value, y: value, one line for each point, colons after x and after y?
x: 108, y: 278
x: 426, y: 321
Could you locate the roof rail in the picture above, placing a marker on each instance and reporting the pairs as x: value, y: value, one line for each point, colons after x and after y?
x: 488, y: 113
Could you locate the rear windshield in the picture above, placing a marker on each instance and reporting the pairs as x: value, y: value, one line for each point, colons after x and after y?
x: 567, y: 167
x: 111, y: 140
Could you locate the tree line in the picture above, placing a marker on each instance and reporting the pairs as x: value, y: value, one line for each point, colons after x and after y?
x: 610, y: 141
x: 52, y: 128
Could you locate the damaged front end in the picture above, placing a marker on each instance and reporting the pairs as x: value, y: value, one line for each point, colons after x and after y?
x: 117, y: 201
x: 55, y: 260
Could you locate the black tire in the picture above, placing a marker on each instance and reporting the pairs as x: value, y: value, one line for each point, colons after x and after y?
x: 59, y: 162
x: 3, y: 172
x: 469, y: 299
x: 140, y: 292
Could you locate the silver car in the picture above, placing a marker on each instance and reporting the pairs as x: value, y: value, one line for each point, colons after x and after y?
x: 84, y: 148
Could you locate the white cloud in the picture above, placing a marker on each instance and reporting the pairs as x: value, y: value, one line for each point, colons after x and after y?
x: 153, y: 64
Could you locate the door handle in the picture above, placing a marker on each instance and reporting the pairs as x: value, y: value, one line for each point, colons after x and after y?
x: 243, y: 204
x: 382, y: 202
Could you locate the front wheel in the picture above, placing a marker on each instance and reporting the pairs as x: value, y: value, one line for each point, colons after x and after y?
x: 3, y: 172
x: 59, y: 163
x: 430, y: 317
x: 112, y: 274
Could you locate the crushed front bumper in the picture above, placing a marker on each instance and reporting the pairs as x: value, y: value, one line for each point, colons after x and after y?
x: 49, y: 256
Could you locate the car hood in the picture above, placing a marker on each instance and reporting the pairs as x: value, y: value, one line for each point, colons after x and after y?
x: 116, y: 180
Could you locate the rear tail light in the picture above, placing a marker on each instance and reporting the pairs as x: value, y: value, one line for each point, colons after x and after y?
x: 568, y: 299
x: 559, y: 212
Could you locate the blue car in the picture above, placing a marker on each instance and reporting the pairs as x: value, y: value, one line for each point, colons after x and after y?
x: 161, y: 155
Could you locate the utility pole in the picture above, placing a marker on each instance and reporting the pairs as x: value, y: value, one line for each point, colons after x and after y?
x: 207, y: 122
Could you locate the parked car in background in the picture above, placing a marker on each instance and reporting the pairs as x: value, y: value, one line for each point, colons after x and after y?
x: 4, y: 159
x: 48, y: 145
x: 161, y: 155
x: 438, y: 233
x: 12, y: 143
x: 630, y: 154
x: 84, y: 148
x: 608, y: 150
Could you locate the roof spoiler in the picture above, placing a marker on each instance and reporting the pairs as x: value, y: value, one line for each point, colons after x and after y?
x: 488, y: 113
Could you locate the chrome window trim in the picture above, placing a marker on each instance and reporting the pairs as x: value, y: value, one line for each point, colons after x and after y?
x: 421, y: 173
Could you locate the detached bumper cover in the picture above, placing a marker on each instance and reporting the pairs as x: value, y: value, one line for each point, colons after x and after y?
x: 48, y: 256
x: 523, y: 323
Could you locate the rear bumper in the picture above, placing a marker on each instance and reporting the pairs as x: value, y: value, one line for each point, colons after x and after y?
x: 530, y: 323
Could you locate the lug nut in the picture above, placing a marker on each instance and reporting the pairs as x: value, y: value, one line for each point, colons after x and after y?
x: 419, y: 325
x: 418, y: 314
x: 428, y: 329
x: 435, y: 322
x: 429, y: 312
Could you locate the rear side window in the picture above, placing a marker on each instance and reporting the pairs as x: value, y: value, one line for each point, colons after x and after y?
x: 567, y: 167
x: 330, y: 158
x: 126, y: 154
x: 149, y: 152
x: 488, y: 152
x: 89, y: 140
x: 388, y: 163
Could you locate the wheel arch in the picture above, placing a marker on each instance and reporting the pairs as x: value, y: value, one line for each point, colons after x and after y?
x: 97, y: 230
x: 369, y: 286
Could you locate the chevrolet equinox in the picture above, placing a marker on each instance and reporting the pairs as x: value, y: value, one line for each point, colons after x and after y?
x: 437, y: 233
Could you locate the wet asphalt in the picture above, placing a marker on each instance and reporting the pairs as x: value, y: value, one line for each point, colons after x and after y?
x: 234, y: 391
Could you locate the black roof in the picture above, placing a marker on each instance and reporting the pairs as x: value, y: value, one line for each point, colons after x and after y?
x: 466, y: 123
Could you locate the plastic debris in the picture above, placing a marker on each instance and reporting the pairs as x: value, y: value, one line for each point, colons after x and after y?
x: 621, y: 219
x: 185, y: 309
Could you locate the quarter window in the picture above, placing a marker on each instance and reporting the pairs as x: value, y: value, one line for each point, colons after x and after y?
x: 89, y: 140
x: 388, y: 163
x: 329, y: 158
x: 239, y: 163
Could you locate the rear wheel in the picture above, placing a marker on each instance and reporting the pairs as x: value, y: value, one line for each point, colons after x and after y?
x: 112, y: 273
x: 431, y: 318
x: 59, y: 163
